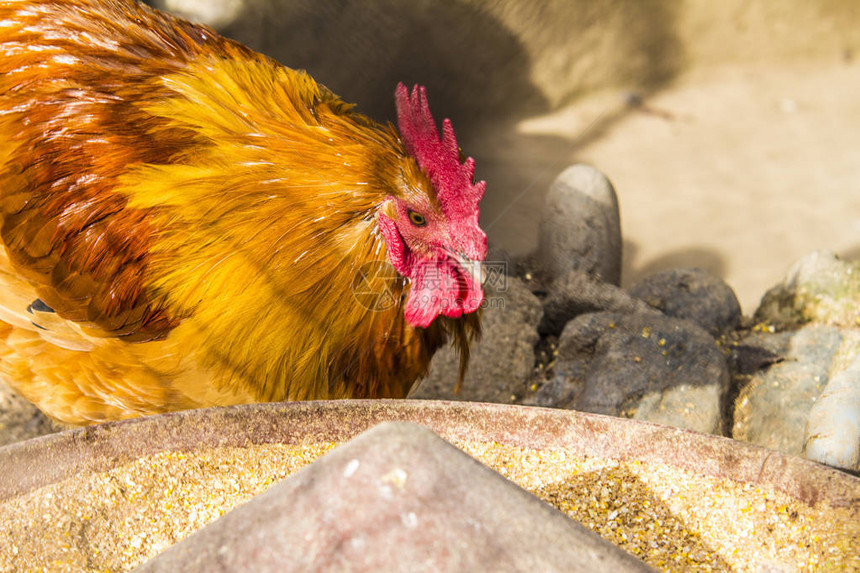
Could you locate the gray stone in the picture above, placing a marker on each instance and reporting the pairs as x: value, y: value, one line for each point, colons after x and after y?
x: 773, y: 408
x: 820, y: 266
x: 833, y: 427
x: 786, y: 407
x: 684, y: 406
x: 818, y: 288
x: 693, y: 294
x: 20, y: 420
x: 581, y: 228
x: 502, y: 360
x: 649, y: 367
x: 397, y: 498
x: 577, y: 293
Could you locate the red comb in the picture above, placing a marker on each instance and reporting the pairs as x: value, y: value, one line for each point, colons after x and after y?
x: 439, y: 158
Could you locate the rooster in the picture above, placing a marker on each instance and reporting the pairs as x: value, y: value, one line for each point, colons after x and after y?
x: 186, y: 223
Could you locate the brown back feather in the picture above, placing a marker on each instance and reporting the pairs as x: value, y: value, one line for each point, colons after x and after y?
x: 76, y: 129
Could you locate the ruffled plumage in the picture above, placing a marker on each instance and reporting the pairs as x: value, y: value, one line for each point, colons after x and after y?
x: 193, y: 215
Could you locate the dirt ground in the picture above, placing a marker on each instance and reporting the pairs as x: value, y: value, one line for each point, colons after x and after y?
x: 738, y: 169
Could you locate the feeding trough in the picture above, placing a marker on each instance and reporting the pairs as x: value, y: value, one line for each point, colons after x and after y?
x: 113, y: 496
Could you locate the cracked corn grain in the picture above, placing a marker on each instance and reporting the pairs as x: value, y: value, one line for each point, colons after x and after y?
x: 116, y: 520
x: 674, y: 520
x: 677, y: 520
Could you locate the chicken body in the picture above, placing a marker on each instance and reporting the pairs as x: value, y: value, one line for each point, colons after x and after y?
x: 186, y: 223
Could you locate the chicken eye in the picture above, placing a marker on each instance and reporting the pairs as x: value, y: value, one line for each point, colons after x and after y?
x: 417, y: 219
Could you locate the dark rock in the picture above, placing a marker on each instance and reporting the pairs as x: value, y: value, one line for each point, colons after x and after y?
x: 692, y: 294
x: 577, y: 293
x: 773, y: 408
x: 396, y: 498
x: 581, y: 228
x: 498, y: 261
x: 643, y: 366
x: 502, y: 361
x: 746, y: 359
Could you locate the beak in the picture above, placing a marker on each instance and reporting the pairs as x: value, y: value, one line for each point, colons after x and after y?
x: 475, y: 269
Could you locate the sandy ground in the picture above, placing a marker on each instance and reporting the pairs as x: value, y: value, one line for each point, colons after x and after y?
x: 740, y: 170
